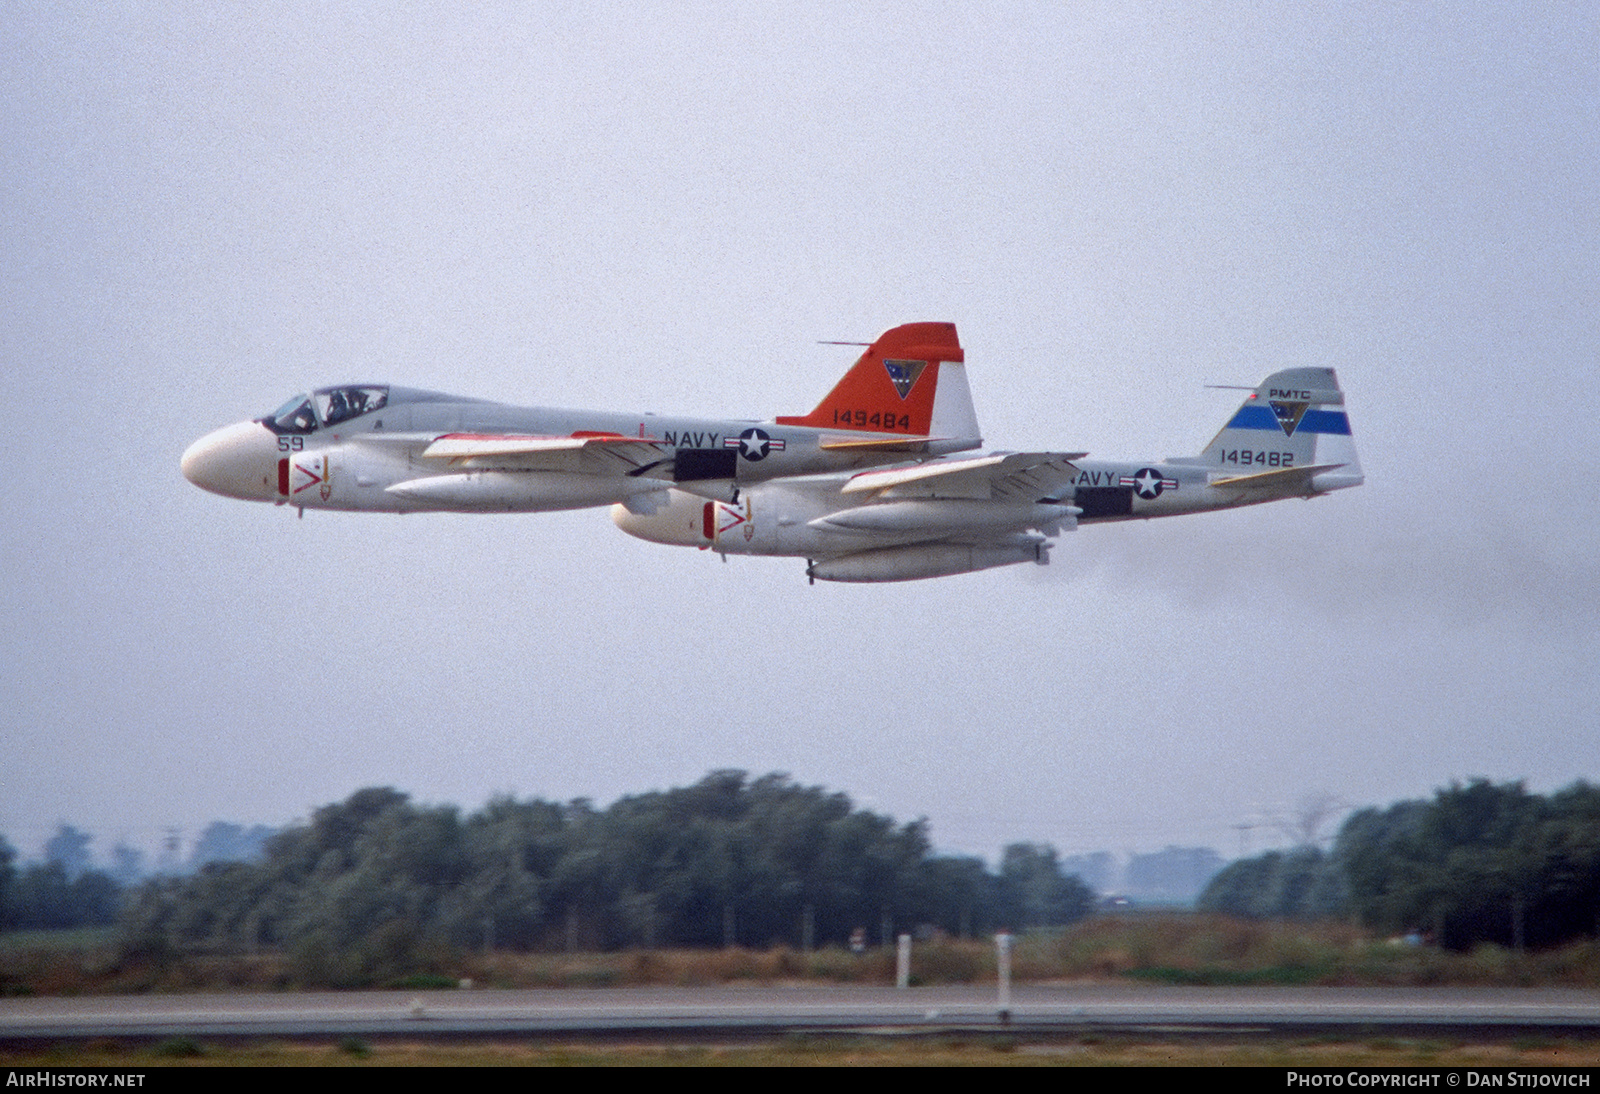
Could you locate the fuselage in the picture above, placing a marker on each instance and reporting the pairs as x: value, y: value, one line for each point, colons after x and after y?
x: 811, y: 516
x: 393, y: 449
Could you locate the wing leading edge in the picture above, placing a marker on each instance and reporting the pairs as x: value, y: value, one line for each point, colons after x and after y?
x: 967, y: 514
x: 1000, y: 475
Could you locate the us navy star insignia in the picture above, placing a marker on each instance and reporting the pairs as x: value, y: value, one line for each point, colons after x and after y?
x: 754, y: 444
x: 1148, y: 483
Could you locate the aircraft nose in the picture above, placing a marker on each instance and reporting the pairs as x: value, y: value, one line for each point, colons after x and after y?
x: 236, y: 461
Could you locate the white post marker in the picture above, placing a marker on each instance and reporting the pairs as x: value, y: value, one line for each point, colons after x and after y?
x: 1002, y: 951
x: 902, y: 963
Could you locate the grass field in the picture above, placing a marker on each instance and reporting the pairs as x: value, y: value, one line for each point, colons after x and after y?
x: 1167, y: 948
x: 1173, y: 948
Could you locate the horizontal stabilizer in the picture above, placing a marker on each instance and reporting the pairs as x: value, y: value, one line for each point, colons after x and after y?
x: 1283, y: 478
x: 888, y: 444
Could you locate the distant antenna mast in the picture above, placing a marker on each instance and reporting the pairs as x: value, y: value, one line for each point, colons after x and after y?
x: 1244, y: 828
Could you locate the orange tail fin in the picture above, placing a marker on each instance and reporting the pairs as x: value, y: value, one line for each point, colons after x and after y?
x: 891, y: 388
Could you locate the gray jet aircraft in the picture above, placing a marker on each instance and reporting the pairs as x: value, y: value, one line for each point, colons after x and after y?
x: 393, y: 449
x: 1290, y: 439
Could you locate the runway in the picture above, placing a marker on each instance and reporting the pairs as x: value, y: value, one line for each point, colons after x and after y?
x: 755, y: 1012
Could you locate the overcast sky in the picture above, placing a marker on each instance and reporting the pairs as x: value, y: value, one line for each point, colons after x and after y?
x: 666, y: 207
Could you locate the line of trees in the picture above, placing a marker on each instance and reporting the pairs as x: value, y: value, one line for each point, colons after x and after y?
x: 60, y: 892
x: 1479, y: 863
x: 373, y: 881
x: 68, y: 890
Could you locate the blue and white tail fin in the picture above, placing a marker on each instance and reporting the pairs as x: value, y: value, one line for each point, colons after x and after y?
x: 1291, y: 431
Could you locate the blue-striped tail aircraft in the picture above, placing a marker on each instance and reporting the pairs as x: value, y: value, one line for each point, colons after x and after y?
x: 956, y: 514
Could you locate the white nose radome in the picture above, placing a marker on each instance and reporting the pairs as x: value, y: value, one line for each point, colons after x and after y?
x: 236, y: 461
x: 682, y: 522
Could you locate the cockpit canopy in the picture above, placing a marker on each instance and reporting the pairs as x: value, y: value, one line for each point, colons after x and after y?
x: 326, y: 406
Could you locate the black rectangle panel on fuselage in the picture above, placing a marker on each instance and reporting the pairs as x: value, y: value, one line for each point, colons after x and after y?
x: 698, y: 464
x: 1103, y: 501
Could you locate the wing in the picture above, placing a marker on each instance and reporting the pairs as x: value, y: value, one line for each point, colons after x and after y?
x: 1000, y: 476
x: 975, y: 500
x: 595, y: 453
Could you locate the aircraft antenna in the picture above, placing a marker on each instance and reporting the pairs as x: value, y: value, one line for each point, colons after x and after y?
x: 1231, y: 387
x: 827, y: 343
